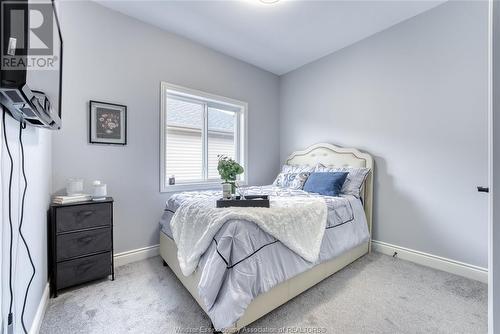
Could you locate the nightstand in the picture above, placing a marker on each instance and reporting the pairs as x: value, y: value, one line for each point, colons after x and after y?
x: 80, y: 243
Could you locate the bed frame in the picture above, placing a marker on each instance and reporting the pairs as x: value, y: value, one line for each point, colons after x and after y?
x: 328, y: 155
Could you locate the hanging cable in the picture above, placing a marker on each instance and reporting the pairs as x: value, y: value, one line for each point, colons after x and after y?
x: 9, y: 320
x: 22, y: 125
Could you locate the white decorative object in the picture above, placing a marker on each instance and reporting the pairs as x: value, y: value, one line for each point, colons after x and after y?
x: 74, y: 187
x: 241, y: 191
x: 99, y: 190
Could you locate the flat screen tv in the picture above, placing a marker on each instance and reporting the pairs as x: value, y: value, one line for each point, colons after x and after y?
x: 31, y: 62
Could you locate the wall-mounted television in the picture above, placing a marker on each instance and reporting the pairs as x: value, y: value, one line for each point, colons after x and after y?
x: 31, y: 62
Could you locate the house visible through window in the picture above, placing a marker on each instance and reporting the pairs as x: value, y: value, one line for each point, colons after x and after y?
x: 196, y: 128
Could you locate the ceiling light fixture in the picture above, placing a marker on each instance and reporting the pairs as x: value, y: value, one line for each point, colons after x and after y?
x: 269, y: 2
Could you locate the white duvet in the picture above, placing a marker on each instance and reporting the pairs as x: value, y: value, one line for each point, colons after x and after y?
x: 299, y: 223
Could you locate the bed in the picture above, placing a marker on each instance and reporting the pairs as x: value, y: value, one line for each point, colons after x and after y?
x: 345, y: 240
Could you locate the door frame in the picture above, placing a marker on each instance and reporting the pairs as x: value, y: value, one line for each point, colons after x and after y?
x: 493, y: 162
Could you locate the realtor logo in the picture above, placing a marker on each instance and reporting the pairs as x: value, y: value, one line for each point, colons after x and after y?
x: 27, y: 35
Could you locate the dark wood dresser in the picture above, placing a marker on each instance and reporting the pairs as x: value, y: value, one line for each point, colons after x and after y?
x: 80, y: 243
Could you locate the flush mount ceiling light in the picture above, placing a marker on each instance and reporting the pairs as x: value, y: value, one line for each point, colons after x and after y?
x: 269, y: 2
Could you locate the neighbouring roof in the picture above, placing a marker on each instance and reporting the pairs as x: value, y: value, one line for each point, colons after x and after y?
x: 190, y: 115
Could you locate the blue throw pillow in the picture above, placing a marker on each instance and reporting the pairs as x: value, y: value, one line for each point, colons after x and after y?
x: 325, y: 183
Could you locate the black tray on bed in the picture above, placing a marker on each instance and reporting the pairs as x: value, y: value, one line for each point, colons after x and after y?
x: 256, y: 201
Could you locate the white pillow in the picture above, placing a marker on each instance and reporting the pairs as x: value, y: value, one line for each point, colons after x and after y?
x: 354, y: 181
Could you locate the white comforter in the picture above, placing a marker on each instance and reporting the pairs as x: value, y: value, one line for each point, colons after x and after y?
x: 299, y: 223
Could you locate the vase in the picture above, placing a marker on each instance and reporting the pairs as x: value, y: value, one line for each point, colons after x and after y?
x: 228, y: 189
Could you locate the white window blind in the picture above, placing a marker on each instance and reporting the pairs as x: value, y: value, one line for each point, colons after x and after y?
x: 184, y: 139
x: 195, y: 130
x: 221, y: 138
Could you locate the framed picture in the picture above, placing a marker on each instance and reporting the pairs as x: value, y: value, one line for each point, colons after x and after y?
x: 107, y: 123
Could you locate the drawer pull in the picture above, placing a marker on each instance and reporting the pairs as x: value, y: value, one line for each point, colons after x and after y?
x: 85, y: 213
x: 86, y: 240
x: 83, y: 267
x: 82, y: 215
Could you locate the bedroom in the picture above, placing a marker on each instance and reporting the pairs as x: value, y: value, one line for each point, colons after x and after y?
x: 403, y: 84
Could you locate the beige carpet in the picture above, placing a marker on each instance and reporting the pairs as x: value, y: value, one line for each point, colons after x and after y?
x: 376, y: 294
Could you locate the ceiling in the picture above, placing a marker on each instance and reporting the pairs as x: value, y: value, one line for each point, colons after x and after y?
x: 276, y: 37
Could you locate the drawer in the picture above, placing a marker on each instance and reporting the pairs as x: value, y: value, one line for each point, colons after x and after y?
x: 82, y: 243
x: 81, y: 270
x: 83, y: 216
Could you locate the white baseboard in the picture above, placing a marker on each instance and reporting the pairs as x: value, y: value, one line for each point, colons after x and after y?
x: 40, y: 311
x: 433, y: 261
x: 136, y: 255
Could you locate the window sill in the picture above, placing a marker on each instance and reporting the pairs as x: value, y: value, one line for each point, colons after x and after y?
x: 195, y: 186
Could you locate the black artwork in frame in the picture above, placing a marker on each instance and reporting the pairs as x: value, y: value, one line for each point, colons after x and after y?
x: 107, y: 123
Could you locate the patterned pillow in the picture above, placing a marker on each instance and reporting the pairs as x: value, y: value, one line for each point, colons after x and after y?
x: 290, y: 169
x: 278, y: 181
x: 291, y: 180
x: 354, y: 180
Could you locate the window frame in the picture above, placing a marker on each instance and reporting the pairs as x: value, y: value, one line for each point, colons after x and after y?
x: 211, y: 100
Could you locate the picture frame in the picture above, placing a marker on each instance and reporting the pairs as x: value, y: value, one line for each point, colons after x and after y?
x: 107, y: 123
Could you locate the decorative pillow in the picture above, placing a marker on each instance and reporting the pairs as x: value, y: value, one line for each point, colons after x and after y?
x: 299, y: 180
x: 291, y: 180
x: 278, y: 181
x: 291, y: 169
x: 354, y: 181
x: 325, y: 183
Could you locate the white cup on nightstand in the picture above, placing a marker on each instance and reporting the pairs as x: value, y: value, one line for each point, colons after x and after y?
x: 74, y: 187
x: 99, y: 190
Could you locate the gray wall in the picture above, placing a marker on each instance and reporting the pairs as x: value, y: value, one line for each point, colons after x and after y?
x: 111, y: 57
x: 38, y: 161
x: 415, y: 97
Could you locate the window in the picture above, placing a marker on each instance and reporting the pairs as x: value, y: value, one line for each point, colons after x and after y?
x: 196, y: 127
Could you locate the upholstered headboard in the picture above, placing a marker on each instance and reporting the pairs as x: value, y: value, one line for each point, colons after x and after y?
x: 331, y: 155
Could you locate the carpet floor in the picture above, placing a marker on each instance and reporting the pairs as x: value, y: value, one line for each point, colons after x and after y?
x: 376, y: 294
